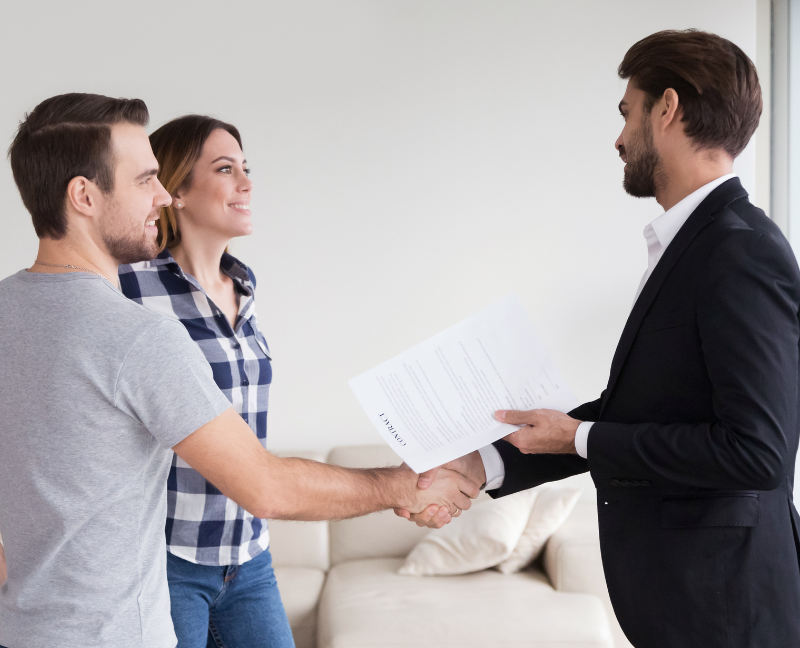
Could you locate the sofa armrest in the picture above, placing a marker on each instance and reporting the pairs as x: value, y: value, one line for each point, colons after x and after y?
x: 571, y: 558
x: 572, y: 561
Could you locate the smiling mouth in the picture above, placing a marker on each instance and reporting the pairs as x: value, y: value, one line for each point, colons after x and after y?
x: 151, y: 223
x: 240, y: 207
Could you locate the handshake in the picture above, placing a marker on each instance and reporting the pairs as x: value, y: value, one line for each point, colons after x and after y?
x: 451, y: 487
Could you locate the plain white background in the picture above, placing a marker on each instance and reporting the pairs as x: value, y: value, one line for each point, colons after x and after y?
x: 414, y: 161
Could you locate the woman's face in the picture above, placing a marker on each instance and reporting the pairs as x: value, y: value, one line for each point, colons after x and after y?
x: 218, y: 200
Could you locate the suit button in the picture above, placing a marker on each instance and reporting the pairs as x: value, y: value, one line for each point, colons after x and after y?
x: 636, y: 483
x: 615, y: 482
x: 645, y: 483
x: 625, y: 483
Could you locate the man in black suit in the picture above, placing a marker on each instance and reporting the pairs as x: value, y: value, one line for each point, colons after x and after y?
x: 692, y: 444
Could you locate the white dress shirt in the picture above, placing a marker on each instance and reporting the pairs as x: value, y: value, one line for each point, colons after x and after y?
x: 658, y: 235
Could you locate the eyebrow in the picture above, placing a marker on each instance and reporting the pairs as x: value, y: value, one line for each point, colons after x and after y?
x: 229, y: 159
x: 149, y: 172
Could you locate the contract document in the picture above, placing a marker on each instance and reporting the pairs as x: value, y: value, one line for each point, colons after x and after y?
x: 436, y: 401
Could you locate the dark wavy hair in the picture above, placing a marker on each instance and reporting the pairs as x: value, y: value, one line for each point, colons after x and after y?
x: 62, y: 138
x: 716, y: 82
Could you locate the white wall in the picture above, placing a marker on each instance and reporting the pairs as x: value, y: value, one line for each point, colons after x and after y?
x: 414, y: 161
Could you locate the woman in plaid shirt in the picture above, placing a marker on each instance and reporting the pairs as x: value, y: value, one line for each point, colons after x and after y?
x: 219, y: 567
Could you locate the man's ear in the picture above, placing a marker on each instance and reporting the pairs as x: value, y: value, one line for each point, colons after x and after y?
x: 670, y: 109
x: 83, y: 196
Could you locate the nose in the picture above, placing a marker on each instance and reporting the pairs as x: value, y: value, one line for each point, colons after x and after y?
x: 162, y: 197
x: 245, y: 184
x: 619, y: 144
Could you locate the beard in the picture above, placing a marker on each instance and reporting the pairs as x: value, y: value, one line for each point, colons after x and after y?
x: 645, y: 170
x: 125, y: 239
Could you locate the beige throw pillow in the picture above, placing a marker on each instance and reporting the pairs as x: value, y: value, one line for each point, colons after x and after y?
x: 478, y: 539
x: 551, y: 509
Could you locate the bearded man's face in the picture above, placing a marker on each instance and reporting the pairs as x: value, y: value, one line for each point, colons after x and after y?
x: 644, y: 168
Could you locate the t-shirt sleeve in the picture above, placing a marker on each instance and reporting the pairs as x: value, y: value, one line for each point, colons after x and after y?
x: 166, y: 384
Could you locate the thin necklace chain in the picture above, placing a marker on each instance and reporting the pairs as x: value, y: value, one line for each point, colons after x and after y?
x: 66, y: 265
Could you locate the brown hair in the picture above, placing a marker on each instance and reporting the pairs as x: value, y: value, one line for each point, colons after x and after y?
x: 64, y: 137
x: 177, y: 146
x: 716, y: 82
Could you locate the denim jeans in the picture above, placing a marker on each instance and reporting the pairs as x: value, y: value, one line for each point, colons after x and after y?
x: 227, y: 607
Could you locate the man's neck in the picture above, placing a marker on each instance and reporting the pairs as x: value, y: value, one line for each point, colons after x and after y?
x: 54, y: 257
x: 685, y: 176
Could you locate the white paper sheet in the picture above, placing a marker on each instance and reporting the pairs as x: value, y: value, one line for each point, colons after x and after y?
x: 436, y: 401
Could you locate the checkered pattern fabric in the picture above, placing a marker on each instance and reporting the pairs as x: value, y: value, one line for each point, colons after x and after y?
x: 204, y: 526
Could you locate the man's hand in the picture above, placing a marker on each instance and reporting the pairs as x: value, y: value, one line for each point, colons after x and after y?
x: 471, y: 466
x: 544, y: 431
x: 450, y: 491
x: 435, y: 517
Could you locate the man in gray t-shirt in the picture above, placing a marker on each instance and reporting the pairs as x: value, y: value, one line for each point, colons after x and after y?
x: 102, y: 389
x: 97, y: 389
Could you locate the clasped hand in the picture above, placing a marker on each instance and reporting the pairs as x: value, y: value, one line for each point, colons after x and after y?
x: 542, y: 431
x: 435, y: 517
x: 450, y: 491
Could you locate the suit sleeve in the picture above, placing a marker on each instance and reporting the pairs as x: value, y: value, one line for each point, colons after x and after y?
x: 524, y: 471
x: 588, y: 411
x: 747, y: 318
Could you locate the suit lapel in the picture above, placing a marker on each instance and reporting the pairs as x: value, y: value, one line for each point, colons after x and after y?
x: 718, y: 199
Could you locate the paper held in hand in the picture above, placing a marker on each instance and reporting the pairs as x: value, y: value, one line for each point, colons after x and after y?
x: 436, y: 401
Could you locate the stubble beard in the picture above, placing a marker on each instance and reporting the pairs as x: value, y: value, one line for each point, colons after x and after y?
x: 127, y: 242
x: 645, y: 170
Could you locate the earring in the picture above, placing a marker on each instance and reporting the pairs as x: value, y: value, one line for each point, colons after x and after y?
x: 179, y: 205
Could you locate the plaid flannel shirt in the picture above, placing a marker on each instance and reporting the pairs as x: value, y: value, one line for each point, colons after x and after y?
x: 204, y: 526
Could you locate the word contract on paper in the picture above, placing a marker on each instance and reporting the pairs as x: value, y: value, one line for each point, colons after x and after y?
x: 436, y: 401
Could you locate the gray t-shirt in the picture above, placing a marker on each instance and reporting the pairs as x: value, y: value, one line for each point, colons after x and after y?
x: 95, y: 390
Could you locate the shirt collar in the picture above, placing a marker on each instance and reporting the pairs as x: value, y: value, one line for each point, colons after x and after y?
x: 666, y: 226
x: 229, y: 264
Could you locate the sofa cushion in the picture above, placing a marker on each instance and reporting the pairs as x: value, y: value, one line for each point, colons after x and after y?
x: 365, y: 603
x: 550, y: 510
x: 483, y: 537
x: 300, y: 589
x: 300, y: 544
x: 384, y: 535
x: 377, y: 535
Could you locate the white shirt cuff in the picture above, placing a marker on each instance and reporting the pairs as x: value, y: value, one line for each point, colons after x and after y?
x: 582, y: 438
x: 494, y: 467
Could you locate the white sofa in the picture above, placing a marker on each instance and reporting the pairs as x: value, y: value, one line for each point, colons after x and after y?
x: 341, y: 589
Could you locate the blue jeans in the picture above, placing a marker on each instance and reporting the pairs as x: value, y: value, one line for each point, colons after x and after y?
x: 227, y: 607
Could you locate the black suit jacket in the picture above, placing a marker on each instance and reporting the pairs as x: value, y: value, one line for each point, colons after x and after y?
x: 695, y: 439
